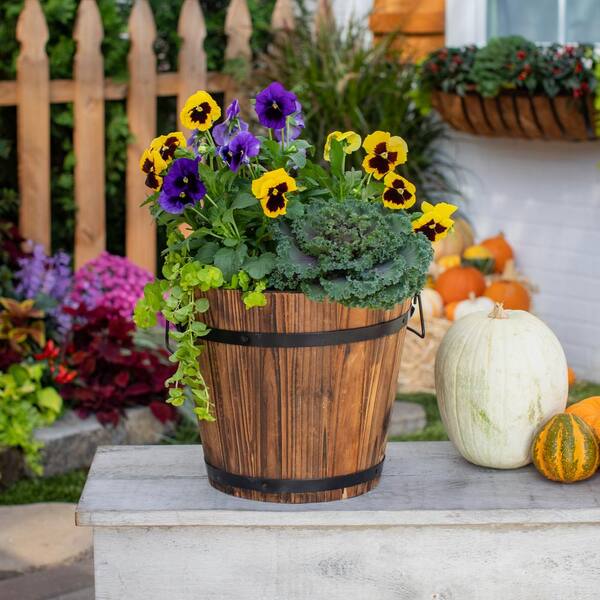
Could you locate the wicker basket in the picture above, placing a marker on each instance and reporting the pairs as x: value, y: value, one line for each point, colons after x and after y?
x: 519, y: 115
x: 418, y: 358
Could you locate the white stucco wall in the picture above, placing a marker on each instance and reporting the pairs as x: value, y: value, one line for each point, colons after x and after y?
x: 545, y: 197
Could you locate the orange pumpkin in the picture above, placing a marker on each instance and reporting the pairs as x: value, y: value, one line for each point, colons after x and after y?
x: 449, y: 310
x: 571, y: 376
x: 501, y: 251
x: 511, y: 294
x: 458, y: 282
x: 589, y: 411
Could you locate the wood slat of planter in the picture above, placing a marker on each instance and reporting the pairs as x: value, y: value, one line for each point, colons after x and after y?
x: 88, y: 132
x: 298, y: 413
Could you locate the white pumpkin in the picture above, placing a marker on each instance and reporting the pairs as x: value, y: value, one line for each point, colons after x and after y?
x: 432, y: 305
x: 498, y: 377
x: 473, y: 304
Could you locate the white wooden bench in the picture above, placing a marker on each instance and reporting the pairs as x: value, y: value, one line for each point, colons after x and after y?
x: 435, y: 528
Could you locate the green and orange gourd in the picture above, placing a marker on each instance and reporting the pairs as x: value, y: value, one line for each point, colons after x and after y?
x: 566, y: 449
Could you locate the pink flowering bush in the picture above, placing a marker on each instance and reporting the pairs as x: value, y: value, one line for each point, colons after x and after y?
x: 110, y: 282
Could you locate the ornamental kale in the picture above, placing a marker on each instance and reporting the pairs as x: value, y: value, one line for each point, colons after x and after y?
x: 351, y: 252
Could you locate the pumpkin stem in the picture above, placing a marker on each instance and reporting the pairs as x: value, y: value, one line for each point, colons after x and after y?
x: 498, y: 312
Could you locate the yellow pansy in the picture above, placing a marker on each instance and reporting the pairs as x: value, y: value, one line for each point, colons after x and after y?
x: 271, y: 189
x: 166, y: 145
x: 200, y: 111
x: 152, y: 164
x: 350, y: 139
x: 384, y: 152
x: 435, y: 221
x: 398, y: 192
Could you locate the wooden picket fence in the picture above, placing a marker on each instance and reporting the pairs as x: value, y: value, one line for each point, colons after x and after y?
x: 33, y: 92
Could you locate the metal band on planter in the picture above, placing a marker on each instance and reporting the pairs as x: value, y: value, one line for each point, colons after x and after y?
x: 318, y: 338
x: 293, y: 486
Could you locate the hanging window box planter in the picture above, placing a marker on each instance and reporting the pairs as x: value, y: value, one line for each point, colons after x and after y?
x: 519, y: 115
x: 513, y: 88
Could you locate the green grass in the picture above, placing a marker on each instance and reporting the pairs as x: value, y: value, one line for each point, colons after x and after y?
x: 583, y: 389
x: 434, y: 430
x: 61, y: 488
x: 68, y: 488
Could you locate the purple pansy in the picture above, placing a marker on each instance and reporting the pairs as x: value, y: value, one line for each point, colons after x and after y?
x: 224, y: 132
x: 240, y: 150
x: 274, y: 104
x: 294, y: 127
x: 182, y: 186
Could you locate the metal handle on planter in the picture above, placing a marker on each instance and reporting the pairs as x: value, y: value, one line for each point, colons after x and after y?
x: 421, y: 334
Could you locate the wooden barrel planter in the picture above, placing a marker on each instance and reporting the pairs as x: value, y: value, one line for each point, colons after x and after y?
x: 421, y: 23
x: 302, y: 395
x: 519, y: 115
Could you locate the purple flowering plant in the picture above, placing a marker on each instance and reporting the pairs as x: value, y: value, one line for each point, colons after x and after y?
x: 109, y: 282
x: 48, y: 281
x: 236, y: 201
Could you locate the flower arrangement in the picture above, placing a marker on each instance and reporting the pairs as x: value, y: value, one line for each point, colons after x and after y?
x: 260, y: 215
x: 512, y: 63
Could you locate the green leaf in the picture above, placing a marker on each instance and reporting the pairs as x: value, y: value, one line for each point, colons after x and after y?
x: 227, y: 260
x: 336, y: 157
x: 49, y: 399
x: 206, y: 253
x: 243, y: 200
x: 260, y: 266
x: 254, y: 299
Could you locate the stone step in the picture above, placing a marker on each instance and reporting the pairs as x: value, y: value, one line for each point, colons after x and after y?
x: 37, y: 536
x: 407, y: 417
x: 70, y: 443
x: 66, y: 582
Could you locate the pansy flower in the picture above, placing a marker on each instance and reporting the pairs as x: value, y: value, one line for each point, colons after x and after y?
x: 152, y: 164
x: 384, y: 152
x: 274, y: 104
x: 182, y: 186
x: 350, y: 141
x: 200, y: 111
x: 435, y: 221
x: 271, y: 189
x: 225, y: 131
x: 240, y: 150
x: 166, y: 145
x: 294, y: 126
x: 398, y: 192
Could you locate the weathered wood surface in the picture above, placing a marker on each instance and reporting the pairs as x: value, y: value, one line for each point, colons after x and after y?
x: 283, y: 17
x: 423, y: 483
x: 140, y: 233
x: 437, y: 527
x: 88, y: 133
x: 298, y: 413
x: 33, y: 125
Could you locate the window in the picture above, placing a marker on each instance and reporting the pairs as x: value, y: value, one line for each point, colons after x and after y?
x: 475, y: 21
x: 545, y: 20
